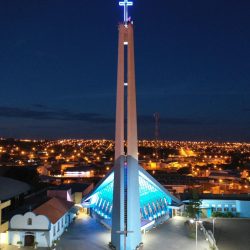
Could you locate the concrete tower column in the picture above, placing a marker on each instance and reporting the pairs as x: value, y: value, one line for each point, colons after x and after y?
x: 126, y: 221
x: 132, y: 115
x: 118, y: 221
x: 133, y: 195
x: 119, y: 129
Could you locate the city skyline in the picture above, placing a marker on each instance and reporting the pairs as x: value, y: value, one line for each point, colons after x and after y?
x: 55, y: 83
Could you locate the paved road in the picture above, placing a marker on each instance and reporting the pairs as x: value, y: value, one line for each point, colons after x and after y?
x: 172, y: 235
x: 232, y: 234
x: 87, y: 234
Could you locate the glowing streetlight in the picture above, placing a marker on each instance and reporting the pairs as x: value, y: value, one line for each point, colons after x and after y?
x: 213, y: 227
x: 196, y: 231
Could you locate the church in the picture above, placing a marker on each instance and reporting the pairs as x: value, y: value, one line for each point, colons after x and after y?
x: 128, y: 199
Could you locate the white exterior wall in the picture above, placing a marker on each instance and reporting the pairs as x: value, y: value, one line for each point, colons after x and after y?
x: 242, y: 208
x: 15, y: 236
x: 220, y: 204
x: 45, y: 236
x: 66, y: 219
x: 39, y: 222
x: 4, y: 238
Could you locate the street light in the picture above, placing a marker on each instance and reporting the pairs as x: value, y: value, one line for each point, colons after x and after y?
x: 196, y: 231
x: 213, y: 227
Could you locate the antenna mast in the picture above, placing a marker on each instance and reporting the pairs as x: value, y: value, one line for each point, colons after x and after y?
x: 157, y: 133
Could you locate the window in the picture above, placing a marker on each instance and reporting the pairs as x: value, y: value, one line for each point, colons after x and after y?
x: 226, y: 208
x: 58, y: 226
x: 29, y: 221
x: 233, y: 208
x: 54, y: 230
x: 219, y: 209
x: 213, y: 208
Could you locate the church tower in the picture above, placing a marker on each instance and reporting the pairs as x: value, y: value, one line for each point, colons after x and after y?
x: 128, y: 199
x: 126, y: 221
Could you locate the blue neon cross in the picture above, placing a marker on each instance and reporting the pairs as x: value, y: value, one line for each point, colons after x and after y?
x: 125, y: 4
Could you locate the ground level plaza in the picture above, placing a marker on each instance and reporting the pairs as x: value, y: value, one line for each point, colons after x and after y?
x: 87, y: 234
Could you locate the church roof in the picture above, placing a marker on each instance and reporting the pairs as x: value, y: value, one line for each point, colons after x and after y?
x: 154, y: 198
x: 54, y: 209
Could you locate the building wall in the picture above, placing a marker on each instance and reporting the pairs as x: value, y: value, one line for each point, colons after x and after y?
x: 63, y: 194
x: 241, y: 208
x: 244, y: 208
x: 77, y: 197
x: 59, y: 227
x: 47, y: 234
x: 38, y: 222
x: 42, y: 237
x: 4, y: 238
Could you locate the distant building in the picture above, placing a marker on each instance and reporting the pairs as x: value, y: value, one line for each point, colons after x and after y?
x: 237, y: 205
x: 71, y: 192
x: 43, y: 226
x: 59, y: 192
x: 239, y: 208
x: 12, y: 189
x: 79, y: 172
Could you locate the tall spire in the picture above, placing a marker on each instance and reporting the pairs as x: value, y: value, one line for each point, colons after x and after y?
x: 129, y: 191
x: 126, y: 218
x: 126, y: 4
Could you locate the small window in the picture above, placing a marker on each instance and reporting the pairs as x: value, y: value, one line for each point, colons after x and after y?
x: 219, y: 209
x: 29, y: 221
x: 54, y: 230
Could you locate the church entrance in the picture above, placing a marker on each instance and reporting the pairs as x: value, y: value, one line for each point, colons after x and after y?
x: 29, y: 239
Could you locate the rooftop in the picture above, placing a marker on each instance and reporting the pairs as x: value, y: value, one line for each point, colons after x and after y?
x: 54, y: 209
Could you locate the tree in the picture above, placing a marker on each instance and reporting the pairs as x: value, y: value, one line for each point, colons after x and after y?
x: 5, y: 157
x: 193, y: 208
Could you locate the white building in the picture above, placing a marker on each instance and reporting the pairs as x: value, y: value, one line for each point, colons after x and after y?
x: 43, y: 226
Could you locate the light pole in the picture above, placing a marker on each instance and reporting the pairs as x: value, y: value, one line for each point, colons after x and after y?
x: 213, y: 227
x: 196, y: 231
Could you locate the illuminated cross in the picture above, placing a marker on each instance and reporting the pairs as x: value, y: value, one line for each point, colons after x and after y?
x: 125, y: 4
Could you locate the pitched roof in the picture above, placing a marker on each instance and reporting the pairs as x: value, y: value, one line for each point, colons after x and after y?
x: 54, y: 209
x: 10, y: 188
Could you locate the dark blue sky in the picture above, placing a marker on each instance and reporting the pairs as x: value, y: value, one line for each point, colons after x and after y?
x: 58, y: 68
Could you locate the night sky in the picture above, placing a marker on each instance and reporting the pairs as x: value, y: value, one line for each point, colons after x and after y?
x: 58, y: 68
